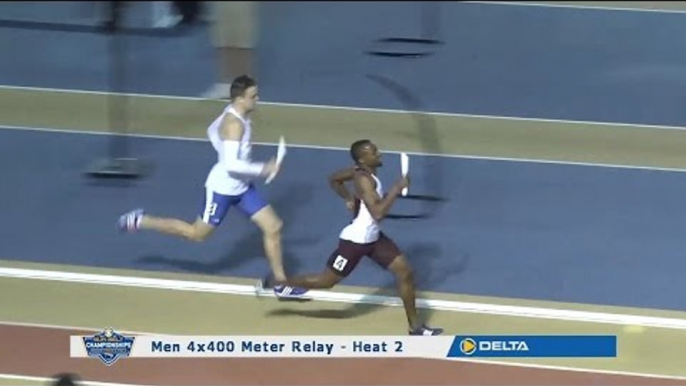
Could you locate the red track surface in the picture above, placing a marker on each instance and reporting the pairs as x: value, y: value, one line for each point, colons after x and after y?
x: 44, y: 352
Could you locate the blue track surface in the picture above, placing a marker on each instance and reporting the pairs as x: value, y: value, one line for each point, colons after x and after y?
x: 536, y: 231
x: 566, y: 233
x: 577, y: 64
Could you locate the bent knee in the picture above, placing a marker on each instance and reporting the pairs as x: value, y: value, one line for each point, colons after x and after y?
x: 197, y: 237
x: 273, y: 226
x: 402, y: 269
x: 198, y: 233
x: 268, y: 221
x: 405, y: 274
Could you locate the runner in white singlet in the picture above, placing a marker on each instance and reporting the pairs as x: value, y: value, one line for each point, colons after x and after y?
x: 364, y: 229
x: 220, y: 179
x: 363, y: 236
x: 229, y: 183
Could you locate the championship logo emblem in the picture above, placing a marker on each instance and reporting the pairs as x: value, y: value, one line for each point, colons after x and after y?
x: 108, y: 346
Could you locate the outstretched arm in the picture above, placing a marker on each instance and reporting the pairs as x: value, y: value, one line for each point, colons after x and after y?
x: 378, y: 207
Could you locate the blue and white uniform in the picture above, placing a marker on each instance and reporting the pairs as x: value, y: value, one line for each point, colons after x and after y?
x: 229, y: 182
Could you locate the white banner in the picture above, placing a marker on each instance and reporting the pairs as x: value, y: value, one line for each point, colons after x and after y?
x: 110, y: 346
x: 161, y: 346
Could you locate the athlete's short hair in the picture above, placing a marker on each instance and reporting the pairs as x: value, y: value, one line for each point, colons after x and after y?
x: 356, y: 148
x: 240, y: 85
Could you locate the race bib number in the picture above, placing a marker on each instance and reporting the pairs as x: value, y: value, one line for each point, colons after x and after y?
x: 340, y: 263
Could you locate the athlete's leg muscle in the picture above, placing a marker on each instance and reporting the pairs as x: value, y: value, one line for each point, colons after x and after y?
x: 324, y: 280
x: 270, y: 224
x: 198, y: 231
x: 404, y: 277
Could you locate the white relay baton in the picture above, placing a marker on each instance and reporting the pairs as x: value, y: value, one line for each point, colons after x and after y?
x: 280, y: 154
x: 404, y: 168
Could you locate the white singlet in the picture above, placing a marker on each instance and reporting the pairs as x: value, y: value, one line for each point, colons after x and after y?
x: 363, y: 229
x: 219, y: 179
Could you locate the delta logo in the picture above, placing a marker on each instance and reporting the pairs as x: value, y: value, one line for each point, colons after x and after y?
x: 469, y: 346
